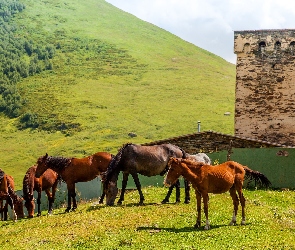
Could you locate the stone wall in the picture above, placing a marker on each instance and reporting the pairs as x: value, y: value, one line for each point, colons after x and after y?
x: 210, y: 141
x: 265, y: 85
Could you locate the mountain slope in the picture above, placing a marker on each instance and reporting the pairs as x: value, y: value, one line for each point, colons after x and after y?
x: 112, y: 74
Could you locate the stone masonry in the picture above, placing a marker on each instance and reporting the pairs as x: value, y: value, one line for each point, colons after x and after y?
x: 265, y: 85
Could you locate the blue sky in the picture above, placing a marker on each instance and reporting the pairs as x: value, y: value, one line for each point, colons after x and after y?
x: 210, y: 24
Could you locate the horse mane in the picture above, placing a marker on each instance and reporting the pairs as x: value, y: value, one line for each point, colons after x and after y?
x: 114, y: 164
x: 28, y: 183
x: 57, y: 162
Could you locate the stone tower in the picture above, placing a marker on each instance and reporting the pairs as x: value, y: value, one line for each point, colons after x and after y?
x: 265, y: 85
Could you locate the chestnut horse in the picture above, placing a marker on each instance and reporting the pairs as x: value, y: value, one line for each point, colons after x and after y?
x: 12, y: 199
x: 137, y: 159
x: 199, y: 157
x: 73, y: 170
x: 48, y: 180
x: 214, y: 179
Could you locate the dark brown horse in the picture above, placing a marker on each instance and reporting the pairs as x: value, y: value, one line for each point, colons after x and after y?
x: 217, y: 179
x: 12, y: 199
x: 137, y: 159
x: 73, y: 170
x: 47, y: 181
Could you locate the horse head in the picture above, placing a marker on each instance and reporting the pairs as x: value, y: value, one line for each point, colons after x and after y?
x: 19, y: 207
x: 41, y: 165
x: 30, y: 205
x: 111, y: 190
x: 173, y: 172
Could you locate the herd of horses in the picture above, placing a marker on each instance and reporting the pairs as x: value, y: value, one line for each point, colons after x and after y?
x: 131, y: 159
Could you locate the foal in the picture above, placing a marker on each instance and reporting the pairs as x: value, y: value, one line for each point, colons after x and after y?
x: 218, y: 179
x: 47, y: 181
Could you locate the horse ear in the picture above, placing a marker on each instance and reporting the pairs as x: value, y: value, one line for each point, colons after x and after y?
x: 46, y: 155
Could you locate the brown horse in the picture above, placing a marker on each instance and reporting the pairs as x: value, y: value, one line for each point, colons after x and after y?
x: 48, y: 180
x: 137, y: 159
x: 12, y: 199
x: 73, y: 170
x: 214, y: 179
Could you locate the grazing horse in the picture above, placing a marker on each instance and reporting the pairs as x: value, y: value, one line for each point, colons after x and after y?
x: 73, y: 170
x: 12, y: 199
x: 137, y: 159
x: 199, y: 157
x: 48, y: 180
x: 214, y: 179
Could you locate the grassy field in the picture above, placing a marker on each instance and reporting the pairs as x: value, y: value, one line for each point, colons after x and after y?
x: 113, y: 74
x: 270, y: 217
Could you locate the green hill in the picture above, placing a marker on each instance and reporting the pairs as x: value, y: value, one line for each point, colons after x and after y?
x: 111, y: 74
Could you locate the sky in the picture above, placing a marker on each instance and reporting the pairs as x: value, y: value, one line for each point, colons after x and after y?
x: 210, y: 24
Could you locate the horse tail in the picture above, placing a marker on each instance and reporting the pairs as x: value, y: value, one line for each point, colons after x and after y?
x: 113, y: 167
x: 257, y: 177
x: 13, y: 196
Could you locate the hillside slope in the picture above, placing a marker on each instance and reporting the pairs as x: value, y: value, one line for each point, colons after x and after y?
x: 112, y: 74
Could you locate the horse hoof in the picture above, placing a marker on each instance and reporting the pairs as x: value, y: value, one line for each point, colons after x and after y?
x: 197, y: 225
x: 187, y: 201
x: 38, y: 215
x: 206, y: 227
x: 164, y: 201
x: 119, y: 203
x: 67, y: 210
x: 177, y: 202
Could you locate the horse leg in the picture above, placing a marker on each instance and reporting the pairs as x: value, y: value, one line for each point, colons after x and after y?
x: 5, y: 211
x: 124, y: 185
x: 243, y: 204
x: 138, y: 186
x: 102, y: 195
x: 177, y: 186
x: 235, y: 199
x: 39, y: 202
x: 187, y: 190
x: 49, y: 198
x: 205, y: 201
x: 10, y: 203
x: 1, y: 209
x: 166, y: 200
x: 71, y: 193
x: 101, y: 198
x: 74, y: 199
x: 199, y: 200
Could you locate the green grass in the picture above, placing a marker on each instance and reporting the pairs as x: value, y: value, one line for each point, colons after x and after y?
x: 142, y: 79
x: 270, y: 221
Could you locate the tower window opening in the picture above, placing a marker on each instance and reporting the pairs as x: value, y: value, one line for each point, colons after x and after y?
x: 262, y: 46
x: 277, y: 45
x: 292, y: 47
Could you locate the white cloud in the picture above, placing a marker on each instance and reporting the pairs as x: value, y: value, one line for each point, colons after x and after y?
x: 211, y: 24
